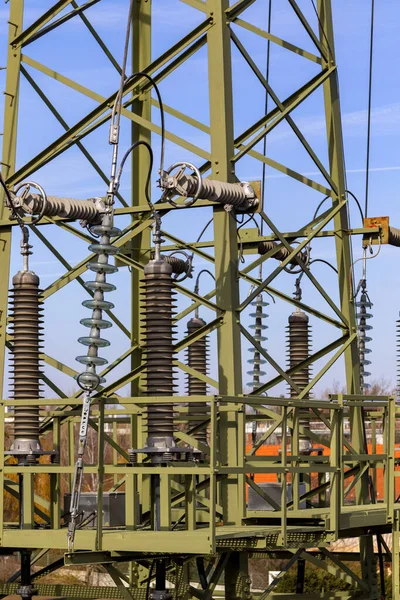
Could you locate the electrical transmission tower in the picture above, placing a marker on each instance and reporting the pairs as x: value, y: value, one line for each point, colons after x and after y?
x: 179, y: 505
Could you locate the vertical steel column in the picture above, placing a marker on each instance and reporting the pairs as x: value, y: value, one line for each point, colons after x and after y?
x: 141, y: 58
x: 71, y: 451
x: 237, y: 581
x: 114, y: 452
x: 343, y: 253
x: 225, y: 236
x: 11, y: 93
x: 9, y: 151
x: 2, y: 435
x: 396, y: 558
x: 8, y: 161
x: 55, y: 479
x: 100, y: 474
x: 26, y: 490
x: 226, y: 273
x: 337, y: 171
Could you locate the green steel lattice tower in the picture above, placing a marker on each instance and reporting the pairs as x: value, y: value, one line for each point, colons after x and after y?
x: 204, y: 511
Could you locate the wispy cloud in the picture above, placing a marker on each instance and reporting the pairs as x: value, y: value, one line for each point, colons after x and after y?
x: 385, y: 120
x: 314, y: 173
x: 374, y: 169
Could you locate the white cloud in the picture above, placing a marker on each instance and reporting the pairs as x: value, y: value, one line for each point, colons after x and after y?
x: 313, y: 173
x: 385, y: 120
x: 374, y: 169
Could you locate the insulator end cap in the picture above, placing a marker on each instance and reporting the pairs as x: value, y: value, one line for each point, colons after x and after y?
x: 158, y: 267
x: 298, y: 316
x: 24, y: 278
x: 196, y: 323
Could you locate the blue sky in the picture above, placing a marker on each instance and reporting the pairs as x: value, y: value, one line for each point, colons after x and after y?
x: 71, y: 51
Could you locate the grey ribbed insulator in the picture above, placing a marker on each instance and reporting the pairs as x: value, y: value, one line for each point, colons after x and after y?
x: 197, y: 358
x: 67, y: 208
x: 394, y: 236
x: 158, y: 295
x: 281, y: 254
x: 103, y: 249
x: 240, y: 196
x: 26, y: 373
x: 179, y: 266
x: 362, y: 315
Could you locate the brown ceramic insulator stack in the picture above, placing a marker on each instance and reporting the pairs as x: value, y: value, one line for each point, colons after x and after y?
x: 158, y: 295
x: 26, y: 373
x: 197, y: 358
x: 299, y: 347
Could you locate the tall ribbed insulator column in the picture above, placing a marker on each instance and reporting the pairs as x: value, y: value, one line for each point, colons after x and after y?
x: 258, y: 326
x: 25, y: 374
x: 103, y: 249
x: 363, y: 316
x: 257, y: 361
x: 158, y: 295
x: 299, y: 347
x: 197, y: 358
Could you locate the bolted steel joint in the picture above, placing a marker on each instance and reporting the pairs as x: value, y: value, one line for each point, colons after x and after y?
x: 160, y: 595
x: 26, y: 591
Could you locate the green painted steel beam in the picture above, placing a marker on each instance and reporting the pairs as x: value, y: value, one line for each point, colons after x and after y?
x: 271, y: 361
x: 172, y: 58
x: 24, y: 36
x: 328, y: 365
x: 302, y: 365
x: 227, y: 293
x: 237, y: 8
x: 216, y: 323
x: 344, y: 263
x: 212, y: 382
x: 133, y: 116
x: 279, y: 104
x: 277, y: 40
x: 198, y: 4
x: 288, y: 171
x: 294, y: 253
x: 74, y: 591
x: 35, y: 35
x: 98, y: 38
x: 59, y: 118
x: 182, y: 116
x: 300, y: 97
x: 319, y: 44
x: 220, y: 494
